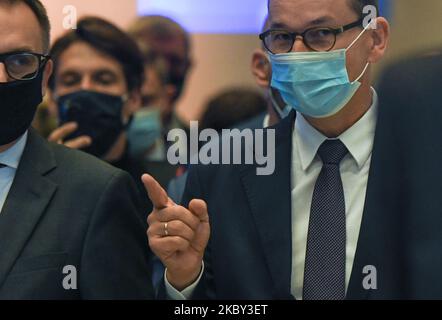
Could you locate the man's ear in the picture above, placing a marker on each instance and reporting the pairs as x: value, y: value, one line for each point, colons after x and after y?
x: 49, y: 68
x: 261, y: 68
x: 381, y: 37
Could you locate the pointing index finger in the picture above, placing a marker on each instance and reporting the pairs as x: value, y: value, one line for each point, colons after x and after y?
x: 156, y: 193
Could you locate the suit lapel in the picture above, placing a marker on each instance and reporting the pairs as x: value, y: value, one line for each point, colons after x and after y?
x: 30, y: 194
x: 270, y: 202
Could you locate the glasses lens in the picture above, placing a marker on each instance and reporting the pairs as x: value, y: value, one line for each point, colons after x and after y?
x: 22, y: 66
x: 320, y: 39
x: 278, y: 41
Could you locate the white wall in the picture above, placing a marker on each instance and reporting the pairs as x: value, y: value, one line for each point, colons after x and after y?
x: 121, y: 12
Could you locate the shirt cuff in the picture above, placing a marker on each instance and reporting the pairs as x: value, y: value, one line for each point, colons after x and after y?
x: 187, y: 293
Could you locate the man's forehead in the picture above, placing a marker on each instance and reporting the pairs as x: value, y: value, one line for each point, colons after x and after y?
x: 83, y: 57
x: 306, y: 13
x: 19, y: 29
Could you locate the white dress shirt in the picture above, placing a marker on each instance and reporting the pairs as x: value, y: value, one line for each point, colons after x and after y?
x: 10, y: 158
x: 306, y: 166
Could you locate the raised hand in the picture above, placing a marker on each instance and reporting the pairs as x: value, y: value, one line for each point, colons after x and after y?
x: 59, y: 135
x: 177, y: 235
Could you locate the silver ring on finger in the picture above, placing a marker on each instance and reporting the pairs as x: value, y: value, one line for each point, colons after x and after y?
x: 166, y: 231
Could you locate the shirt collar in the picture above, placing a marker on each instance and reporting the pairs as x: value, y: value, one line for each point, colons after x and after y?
x: 11, y: 157
x: 308, y: 139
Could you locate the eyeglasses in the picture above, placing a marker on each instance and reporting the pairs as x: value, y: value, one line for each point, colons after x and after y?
x: 24, y: 65
x: 317, y: 39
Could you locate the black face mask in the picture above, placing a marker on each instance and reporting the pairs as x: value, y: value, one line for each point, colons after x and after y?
x: 98, y: 116
x: 18, y: 103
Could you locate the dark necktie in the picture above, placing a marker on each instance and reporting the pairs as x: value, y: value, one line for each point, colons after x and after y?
x: 2, y: 165
x: 324, y: 276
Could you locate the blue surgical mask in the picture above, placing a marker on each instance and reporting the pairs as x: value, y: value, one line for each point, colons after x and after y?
x: 281, y: 109
x: 316, y: 84
x: 144, y: 131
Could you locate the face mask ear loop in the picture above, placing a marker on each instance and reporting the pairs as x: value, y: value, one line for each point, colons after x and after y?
x: 358, y: 37
x: 275, y: 104
x: 351, y: 45
x: 363, y: 72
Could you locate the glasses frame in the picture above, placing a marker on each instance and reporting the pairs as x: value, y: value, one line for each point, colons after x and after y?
x: 294, y: 35
x: 42, y: 60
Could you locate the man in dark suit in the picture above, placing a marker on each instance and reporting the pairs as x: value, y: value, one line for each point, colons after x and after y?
x: 70, y: 225
x: 353, y: 208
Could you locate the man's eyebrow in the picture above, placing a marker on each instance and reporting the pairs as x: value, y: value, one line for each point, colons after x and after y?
x: 102, y: 70
x: 19, y: 49
x: 68, y: 71
x: 321, y: 21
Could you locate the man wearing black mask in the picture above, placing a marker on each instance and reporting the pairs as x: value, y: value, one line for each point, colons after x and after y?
x: 70, y: 225
x: 95, y: 90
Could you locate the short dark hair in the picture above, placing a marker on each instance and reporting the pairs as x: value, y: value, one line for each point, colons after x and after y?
x: 158, y: 63
x: 232, y: 107
x: 160, y: 26
x: 160, y: 29
x: 359, y: 5
x: 42, y: 16
x: 108, y: 39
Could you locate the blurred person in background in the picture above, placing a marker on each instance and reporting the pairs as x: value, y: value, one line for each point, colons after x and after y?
x: 231, y: 107
x: 95, y: 91
x: 145, y: 132
x: 149, y: 127
x: 170, y: 40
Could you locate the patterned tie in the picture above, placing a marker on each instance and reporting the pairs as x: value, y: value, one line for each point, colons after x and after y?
x: 324, y: 276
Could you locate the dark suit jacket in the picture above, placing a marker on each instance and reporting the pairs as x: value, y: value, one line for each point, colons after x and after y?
x: 67, y: 208
x: 250, y: 250
x: 415, y: 80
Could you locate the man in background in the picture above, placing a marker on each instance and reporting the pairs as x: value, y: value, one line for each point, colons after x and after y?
x: 95, y: 92
x: 170, y: 40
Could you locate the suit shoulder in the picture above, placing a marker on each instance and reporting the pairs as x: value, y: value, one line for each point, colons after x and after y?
x: 80, y: 165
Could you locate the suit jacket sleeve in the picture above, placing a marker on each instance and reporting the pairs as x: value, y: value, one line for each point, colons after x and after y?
x: 115, y: 261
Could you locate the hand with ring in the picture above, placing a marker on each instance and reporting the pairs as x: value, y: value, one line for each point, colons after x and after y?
x: 177, y: 235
